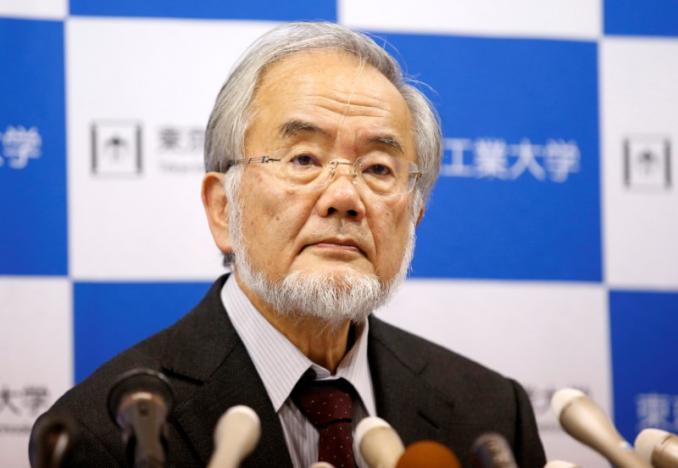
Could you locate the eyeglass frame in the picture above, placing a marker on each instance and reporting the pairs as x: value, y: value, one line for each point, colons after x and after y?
x: 333, y: 163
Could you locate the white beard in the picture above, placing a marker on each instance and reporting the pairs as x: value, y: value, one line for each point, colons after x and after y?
x: 332, y: 297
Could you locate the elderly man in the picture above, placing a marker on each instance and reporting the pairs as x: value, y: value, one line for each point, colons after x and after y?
x: 320, y: 158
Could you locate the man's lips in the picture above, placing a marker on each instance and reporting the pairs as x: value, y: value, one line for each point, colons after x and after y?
x: 347, y: 245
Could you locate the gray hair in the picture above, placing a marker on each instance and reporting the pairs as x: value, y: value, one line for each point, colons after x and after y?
x: 229, y: 120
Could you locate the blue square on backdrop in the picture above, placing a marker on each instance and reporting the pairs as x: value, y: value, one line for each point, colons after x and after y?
x: 644, y: 348
x: 269, y: 10
x: 33, y: 238
x: 643, y: 337
x: 111, y: 317
x: 641, y: 17
x: 518, y: 196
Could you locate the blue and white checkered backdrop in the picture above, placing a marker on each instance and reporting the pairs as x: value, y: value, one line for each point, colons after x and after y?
x: 549, y: 250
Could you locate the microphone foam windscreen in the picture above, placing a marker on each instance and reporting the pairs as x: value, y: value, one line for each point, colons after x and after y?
x: 428, y: 454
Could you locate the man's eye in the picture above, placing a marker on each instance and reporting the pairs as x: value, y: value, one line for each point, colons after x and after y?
x: 378, y: 170
x: 304, y: 160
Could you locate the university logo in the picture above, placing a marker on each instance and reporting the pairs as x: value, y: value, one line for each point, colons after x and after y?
x: 19, y: 145
x: 495, y: 158
x: 647, y: 162
x: 174, y: 139
x: 116, y: 148
x: 657, y: 410
x: 20, y: 405
x: 179, y: 149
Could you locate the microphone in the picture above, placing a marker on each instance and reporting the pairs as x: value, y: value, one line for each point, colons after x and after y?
x: 658, y: 447
x: 235, y: 437
x: 491, y: 450
x: 587, y: 423
x: 52, y: 440
x: 139, y: 403
x: 560, y: 464
x: 378, y: 442
x: 428, y: 454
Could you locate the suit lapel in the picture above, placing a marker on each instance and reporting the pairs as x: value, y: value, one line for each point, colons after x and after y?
x: 404, y: 399
x: 212, y: 372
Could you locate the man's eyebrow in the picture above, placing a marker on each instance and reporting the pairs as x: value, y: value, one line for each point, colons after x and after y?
x: 387, y: 140
x: 294, y: 127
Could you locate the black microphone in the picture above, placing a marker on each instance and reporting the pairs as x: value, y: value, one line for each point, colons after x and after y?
x: 139, y: 403
x: 491, y: 450
x: 52, y: 440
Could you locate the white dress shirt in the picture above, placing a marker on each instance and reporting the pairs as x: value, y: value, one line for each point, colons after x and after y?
x: 280, y: 365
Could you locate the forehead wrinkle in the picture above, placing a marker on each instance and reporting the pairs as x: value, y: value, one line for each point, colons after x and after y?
x: 347, y: 107
x: 385, y: 135
x: 350, y: 110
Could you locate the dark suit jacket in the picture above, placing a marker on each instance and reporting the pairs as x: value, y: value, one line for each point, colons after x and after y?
x: 423, y: 390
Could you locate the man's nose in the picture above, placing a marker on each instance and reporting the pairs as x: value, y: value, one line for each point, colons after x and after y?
x: 341, y: 196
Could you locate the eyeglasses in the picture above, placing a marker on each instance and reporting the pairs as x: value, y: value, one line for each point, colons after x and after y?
x: 381, y: 173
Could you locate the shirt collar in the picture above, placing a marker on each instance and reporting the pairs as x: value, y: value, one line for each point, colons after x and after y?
x: 280, y: 364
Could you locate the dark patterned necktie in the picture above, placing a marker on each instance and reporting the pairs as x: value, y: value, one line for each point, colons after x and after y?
x: 328, y: 405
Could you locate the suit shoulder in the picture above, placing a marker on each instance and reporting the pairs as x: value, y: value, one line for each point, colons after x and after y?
x: 445, y: 369
x: 148, y: 353
x: 144, y: 354
x: 482, y: 400
x: 87, y: 401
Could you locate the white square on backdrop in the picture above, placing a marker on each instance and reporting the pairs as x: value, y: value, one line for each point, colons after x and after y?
x: 139, y: 95
x: 639, y: 161
x: 48, y: 9
x: 580, y: 19
x: 36, y: 345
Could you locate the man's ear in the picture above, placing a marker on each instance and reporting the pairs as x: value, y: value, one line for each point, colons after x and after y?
x: 216, y: 208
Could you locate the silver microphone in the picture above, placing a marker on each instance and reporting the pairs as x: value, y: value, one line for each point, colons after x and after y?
x: 378, y: 442
x: 235, y: 437
x: 560, y: 464
x: 658, y: 447
x: 586, y: 422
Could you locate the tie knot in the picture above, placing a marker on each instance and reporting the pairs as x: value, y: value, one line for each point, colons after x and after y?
x: 324, y: 402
